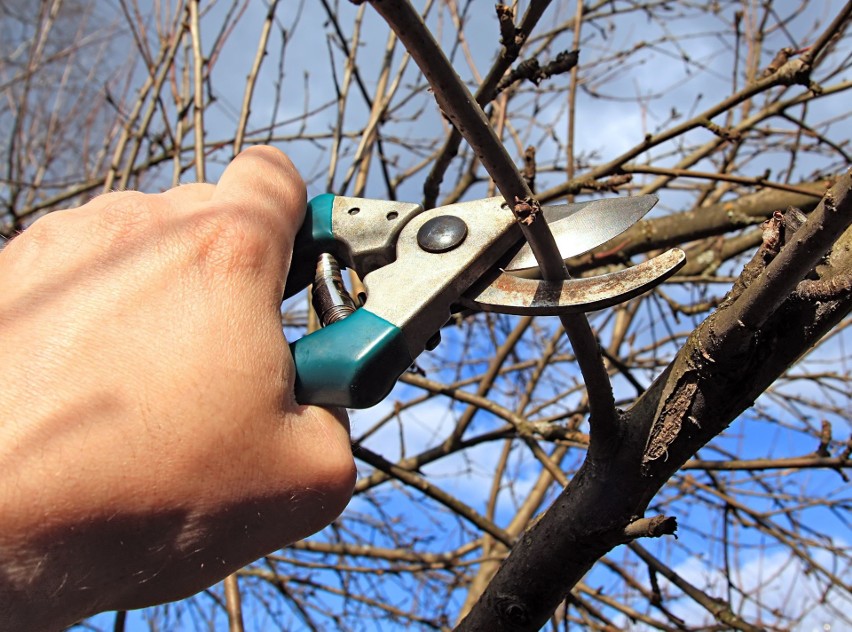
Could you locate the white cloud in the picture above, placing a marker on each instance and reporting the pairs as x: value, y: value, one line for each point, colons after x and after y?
x: 773, y: 583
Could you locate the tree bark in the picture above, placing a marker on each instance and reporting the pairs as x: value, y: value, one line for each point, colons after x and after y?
x: 709, y: 384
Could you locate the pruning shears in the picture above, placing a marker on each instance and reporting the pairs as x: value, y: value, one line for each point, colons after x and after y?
x: 419, y: 267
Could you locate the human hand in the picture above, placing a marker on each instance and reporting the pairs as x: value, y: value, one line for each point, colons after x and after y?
x: 150, y: 443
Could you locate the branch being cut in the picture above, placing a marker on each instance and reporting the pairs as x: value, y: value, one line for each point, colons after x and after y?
x: 468, y: 118
x: 486, y: 92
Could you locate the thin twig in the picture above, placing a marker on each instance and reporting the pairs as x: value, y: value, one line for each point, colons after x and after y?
x: 418, y: 482
x: 251, y: 80
x: 486, y: 92
x: 721, y: 177
x: 795, y: 71
x: 198, y: 91
x: 343, y: 97
x: 183, y: 96
x: 233, y: 603
x: 152, y: 84
x: 332, y: 15
x: 719, y: 609
x: 572, y: 99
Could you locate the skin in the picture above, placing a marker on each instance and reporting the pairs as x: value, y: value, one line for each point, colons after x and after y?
x: 150, y: 443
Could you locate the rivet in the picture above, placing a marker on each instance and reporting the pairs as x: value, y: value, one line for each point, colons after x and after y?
x: 441, y: 234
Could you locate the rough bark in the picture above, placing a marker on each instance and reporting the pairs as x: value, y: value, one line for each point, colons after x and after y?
x: 710, y: 382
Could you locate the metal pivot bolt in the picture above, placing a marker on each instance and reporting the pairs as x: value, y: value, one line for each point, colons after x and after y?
x: 331, y: 301
x: 442, y: 234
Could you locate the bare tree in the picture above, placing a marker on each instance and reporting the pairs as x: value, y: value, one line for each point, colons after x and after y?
x: 529, y: 473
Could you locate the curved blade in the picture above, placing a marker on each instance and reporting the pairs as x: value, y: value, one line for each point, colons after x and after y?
x: 510, y: 294
x: 577, y: 228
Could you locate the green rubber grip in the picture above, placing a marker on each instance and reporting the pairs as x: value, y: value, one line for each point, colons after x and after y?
x: 314, y: 237
x: 354, y: 362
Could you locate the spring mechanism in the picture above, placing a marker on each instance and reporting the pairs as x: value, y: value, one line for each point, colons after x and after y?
x: 331, y: 301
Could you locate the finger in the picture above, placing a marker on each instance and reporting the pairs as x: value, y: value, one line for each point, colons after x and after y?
x: 263, y: 184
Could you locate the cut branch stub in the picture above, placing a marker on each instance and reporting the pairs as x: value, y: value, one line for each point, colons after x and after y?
x: 508, y: 32
x: 655, y: 527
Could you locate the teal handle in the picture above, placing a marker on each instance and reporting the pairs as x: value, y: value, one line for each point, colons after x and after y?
x: 314, y: 237
x: 354, y: 362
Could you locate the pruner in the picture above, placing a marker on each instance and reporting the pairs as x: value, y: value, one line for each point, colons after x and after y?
x: 419, y: 267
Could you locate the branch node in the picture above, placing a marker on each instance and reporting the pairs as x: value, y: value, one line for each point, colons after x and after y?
x: 847, y: 451
x: 611, y: 184
x: 824, y: 439
x: 722, y: 132
x: 794, y: 71
x: 526, y: 210
x: 531, y: 70
x: 781, y: 58
x: 831, y: 289
x: 512, y: 610
x: 564, y: 62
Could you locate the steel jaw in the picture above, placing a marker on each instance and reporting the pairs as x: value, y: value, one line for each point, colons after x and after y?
x: 506, y: 293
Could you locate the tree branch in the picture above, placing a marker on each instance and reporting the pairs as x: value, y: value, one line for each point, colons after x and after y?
x: 460, y: 107
x: 809, y: 244
x: 486, y: 92
x: 421, y: 484
x: 702, y: 391
x: 720, y: 610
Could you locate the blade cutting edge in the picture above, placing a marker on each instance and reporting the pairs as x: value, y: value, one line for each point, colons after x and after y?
x: 577, y: 228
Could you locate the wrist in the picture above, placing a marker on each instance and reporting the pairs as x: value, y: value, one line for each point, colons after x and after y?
x: 35, y: 595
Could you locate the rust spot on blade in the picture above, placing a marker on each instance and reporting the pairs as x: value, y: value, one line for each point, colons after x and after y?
x: 515, y: 295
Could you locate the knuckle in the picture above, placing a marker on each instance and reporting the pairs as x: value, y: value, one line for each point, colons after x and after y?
x: 40, y: 239
x: 226, y: 240
x: 123, y: 217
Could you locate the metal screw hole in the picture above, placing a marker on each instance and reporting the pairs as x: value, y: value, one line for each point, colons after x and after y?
x: 392, y: 215
x: 354, y: 210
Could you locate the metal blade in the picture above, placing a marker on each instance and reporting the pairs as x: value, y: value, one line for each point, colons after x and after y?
x: 577, y: 228
x: 509, y: 294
